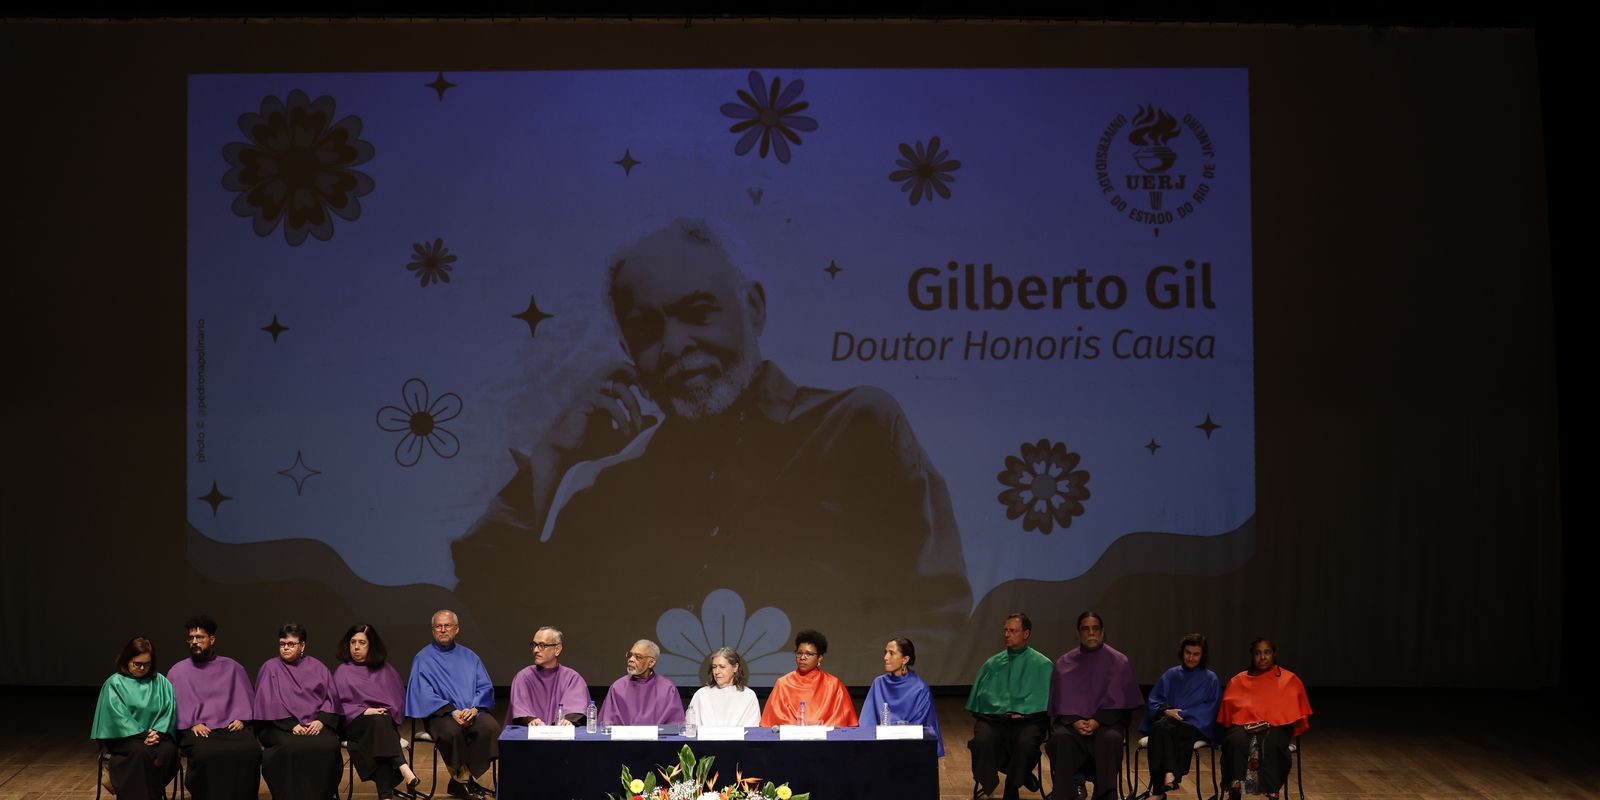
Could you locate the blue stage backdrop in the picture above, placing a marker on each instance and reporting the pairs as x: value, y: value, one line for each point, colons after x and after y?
x: 862, y: 347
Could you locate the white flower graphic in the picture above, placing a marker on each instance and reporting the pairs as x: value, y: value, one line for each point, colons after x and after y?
x: 686, y: 641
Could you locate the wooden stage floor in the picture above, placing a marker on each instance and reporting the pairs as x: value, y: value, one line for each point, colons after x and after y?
x: 1380, y: 744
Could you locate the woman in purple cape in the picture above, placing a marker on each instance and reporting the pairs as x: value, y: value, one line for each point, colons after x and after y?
x: 370, y: 698
x: 296, y: 723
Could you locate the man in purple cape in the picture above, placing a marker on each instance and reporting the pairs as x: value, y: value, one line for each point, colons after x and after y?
x: 642, y: 697
x: 544, y: 692
x: 450, y: 689
x: 213, y: 698
x: 1092, y: 695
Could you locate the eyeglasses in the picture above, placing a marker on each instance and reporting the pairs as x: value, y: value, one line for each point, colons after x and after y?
x: 804, y: 654
x: 638, y: 656
x: 290, y: 645
x: 138, y: 665
x: 543, y: 646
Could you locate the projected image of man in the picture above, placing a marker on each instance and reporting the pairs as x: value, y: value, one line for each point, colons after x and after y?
x: 750, y: 483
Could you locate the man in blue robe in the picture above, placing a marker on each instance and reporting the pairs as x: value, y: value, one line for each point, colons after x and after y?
x: 451, y: 691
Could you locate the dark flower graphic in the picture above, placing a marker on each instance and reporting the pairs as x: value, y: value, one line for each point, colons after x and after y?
x: 296, y: 168
x: 924, y: 171
x: 1044, y: 488
x: 420, y: 421
x: 769, y: 115
x: 431, y: 262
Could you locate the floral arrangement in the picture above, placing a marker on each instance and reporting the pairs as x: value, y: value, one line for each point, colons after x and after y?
x: 692, y: 779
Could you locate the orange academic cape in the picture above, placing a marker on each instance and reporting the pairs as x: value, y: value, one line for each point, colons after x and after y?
x: 827, y: 702
x: 1276, y: 697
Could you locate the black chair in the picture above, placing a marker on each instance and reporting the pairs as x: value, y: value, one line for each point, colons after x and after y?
x: 419, y: 733
x: 350, y: 766
x: 1295, y: 766
x: 1039, y: 771
x: 102, y: 762
x: 1144, y: 744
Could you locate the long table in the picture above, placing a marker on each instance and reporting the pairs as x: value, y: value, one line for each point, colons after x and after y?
x: 850, y: 763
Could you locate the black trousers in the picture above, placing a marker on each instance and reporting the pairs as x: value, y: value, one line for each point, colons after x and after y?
x: 1071, y: 752
x: 1171, y: 748
x: 375, y: 750
x: 140, y: 771
x: 1272, y: 769
x: 224, y: 765
x: 1000, y: 743
x: 475, y: 745
x: 300, y: 767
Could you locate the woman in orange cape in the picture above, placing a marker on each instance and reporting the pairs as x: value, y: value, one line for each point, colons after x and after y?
x: 826, y: 701
x: 1263, y: 708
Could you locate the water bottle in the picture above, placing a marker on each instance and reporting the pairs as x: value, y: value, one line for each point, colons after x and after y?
x: 561, y: 714
x: 589, y: 717
x: 883, y: 714
x: 801, y: 719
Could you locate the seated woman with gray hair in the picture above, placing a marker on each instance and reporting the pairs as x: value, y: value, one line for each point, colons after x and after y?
x: 726, y: 699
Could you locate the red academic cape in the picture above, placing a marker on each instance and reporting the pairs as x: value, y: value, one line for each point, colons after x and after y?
x: 1276, y: 697
x: 827, y: 702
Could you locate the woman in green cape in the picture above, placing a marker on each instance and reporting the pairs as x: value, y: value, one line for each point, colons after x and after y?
x: 134, y: 722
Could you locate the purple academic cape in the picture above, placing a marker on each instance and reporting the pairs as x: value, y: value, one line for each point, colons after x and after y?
x: 652, y: 701
x: 536, y: 692
x: 442, y: 677
x: 297, y: 690
x: 359, y: 688
x: 213, y: 692
x: 1087, y: 681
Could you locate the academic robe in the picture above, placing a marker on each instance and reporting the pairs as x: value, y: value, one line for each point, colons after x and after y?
x: 540, y: 693
x: 443, y: 680
x: 1010, y: 682
x: 827, y: 702
x: 1276, y: 697
x: 374, y: 738
x: 651, y: 701
x: 294, y: 694
x: 724, y: 705
x: 1095, y: 684
x: 909, y: 701
x: 127, y: 710
x: 1194, y: 693
x: 214, y: 692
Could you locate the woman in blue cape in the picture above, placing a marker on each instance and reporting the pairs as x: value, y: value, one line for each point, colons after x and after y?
x: 134, y: 721
x: 1182, y: 711
x: 903, y: 691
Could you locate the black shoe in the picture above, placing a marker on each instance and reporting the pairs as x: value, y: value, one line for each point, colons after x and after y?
x: 1031, y: 782
x: 479, y: 791
x: 1082, y: 791
x: 459, y: 789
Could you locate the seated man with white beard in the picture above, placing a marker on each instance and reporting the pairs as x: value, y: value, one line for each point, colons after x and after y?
x: 751, y: 483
